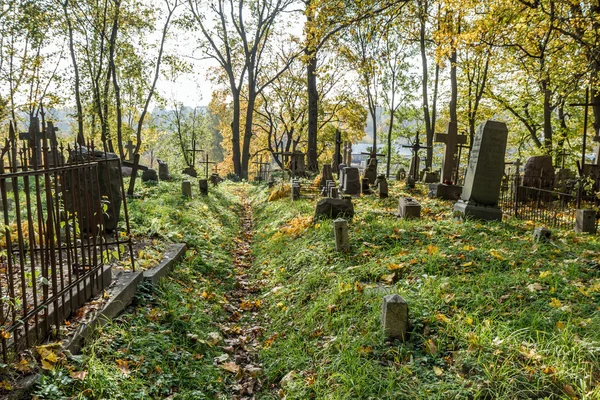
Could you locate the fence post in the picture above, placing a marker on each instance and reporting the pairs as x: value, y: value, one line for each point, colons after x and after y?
x: 516, y: 187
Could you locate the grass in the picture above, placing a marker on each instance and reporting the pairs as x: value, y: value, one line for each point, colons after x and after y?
x: 493, y: 316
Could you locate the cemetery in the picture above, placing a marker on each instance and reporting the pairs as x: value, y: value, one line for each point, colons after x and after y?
x: 299, y: 200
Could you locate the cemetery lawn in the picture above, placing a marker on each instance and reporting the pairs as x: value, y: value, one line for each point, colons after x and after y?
x: 492, y: 315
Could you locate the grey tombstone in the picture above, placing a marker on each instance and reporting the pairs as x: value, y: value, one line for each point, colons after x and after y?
x: 149, y: 175
x: 371, y: 171
x: 401, y: 174
x: 481, y: 191
x: 295, y: 190
x: 163, y: 171
x: 191, y: 171
x: 186, y: 188
x: 203, y: 187
x: 382, y: 186
x: 351, y: 182
x: 364, y: 187
x: 409, y: 208
x: 340, y: 229
x: 394, y: 317
x: 333, y: 192
x: 539, y: 173
x: 334, y: 208
x: 326, y: 176
x: 585, y: 221
x: 130, y: 148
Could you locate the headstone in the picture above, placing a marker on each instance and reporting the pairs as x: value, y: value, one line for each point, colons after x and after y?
x: 130, y: 148
x: 541, y: 234
x: 401, y: 174
x: 191, y: 171
x: 394, y: 317
x: 149, y: 175
x: 337, y: 155
x: 296, y: 164
x: 203, y: 187
x: 333, y: 192
x: 326, y: 175
x: 564, y: 180
x: 295, y: 190
x: 382, y: 186
x: 539, y: 173
x: 409, y: 208
x: 186, y: 188
x: 431, y: 176
x: 364, y: 187
x: 351, y: 183
x: 371, y: 171
x: 585, y: 221
x: 334, y: 208
x: 340, y: 229
x: 481, y: 191
x: 163, y: 171
x: 413, y: 171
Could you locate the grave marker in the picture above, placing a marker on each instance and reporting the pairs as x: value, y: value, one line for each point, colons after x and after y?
x: 394, y: 317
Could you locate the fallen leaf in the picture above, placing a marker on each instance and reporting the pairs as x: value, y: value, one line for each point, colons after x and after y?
x: 534, y: 287
x: 430, y: 347
x: 231, y: 367
x: 123, y: 366
x: 79, y: 375
x: 555, y: 303
x: 438, y: 371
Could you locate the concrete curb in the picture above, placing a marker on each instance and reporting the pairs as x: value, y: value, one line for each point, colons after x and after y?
x: 173, y: 254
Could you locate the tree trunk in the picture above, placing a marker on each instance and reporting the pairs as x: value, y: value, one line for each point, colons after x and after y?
x: 389, y: 141
x: 235, y: 134
x: 454, y: 87
x: 547, y: 118
x: 313, y: 112
x: 80, y: 137
x: 248, y: 130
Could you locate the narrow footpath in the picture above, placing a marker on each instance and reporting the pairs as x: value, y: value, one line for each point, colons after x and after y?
x: 242, y: 328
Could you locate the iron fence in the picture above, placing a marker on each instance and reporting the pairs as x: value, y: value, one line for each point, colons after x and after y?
x: 58, y: 208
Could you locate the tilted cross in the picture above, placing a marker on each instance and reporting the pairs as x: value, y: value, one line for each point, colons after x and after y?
x: 452, y: 139
x: 194, y: 150
x: 206, y: 162
x: 130, y: 148
x: 415, y: 148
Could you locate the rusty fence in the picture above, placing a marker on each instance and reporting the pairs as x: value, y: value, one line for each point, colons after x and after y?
x: 64, y: 220
x: 541, y: 204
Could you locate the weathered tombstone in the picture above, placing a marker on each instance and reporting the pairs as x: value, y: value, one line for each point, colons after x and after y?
x: 364, y: 187
x: 382, y: 186
x: 539, y: 173
x: 334, y: 208
x: 541, y: 234
x: 351, y: 183
x: 149, y: 175
x: 481, y: 191
x: 564, y: 180
x: 340, y: 229
x: 130, y: 149
x: 296, y: 164
x: 203, y: 187
x: 409, y: 208
x: 394, y: 317
x: 401, y: 174
x: 431, y: 176
x: 215, y: 179
x: 186, y: 188
x: 295, y: 189
x: 371, y: 171
x: 109, y: 183
x: 585, y: 221
x: 191, y: 171
x: 326, y: 176
x: 333, y: 192
x: 163, y: 171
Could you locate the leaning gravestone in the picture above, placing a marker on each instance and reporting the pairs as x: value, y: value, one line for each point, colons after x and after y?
x: 163, y: 171
x: 371, y: 171
x: 365, y: 188
x: 191, y: 171
x: 186, y: 189
x: 334, y: 208
x: 382, y: 186
x: 149, y: 175
x: 539, y: 173
x: 481, y: 191
x: 351, y: 181
x: 394, y: 317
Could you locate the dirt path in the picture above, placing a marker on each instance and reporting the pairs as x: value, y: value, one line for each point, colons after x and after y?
x: 242, y: 330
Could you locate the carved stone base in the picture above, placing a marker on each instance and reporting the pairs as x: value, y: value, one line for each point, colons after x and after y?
x: 464, y: 209
x: 443, y: 191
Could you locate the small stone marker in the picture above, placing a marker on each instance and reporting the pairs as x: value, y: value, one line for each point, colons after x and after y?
x: 365, y: 188
x: 409, y: 208
x: 382, y: 186
x: 191, y: 171
x: 585, y: 221
x: 186, y: 188
x: 203, y: 187
x: 481, y: 191
x: 541, y: 234
x: 295, y: 190
x: 394, y: 317
x: 326, y: 175
x: 340, y: 229
x: 149, y: 175
x: 163, y: 171
x: 333, y: 192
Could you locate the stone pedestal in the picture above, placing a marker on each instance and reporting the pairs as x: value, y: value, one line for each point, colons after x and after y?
x: 409, y: 208
x: 443, y: 191
x: 340, y: 228
x: 431, y: 177
x: 149, y: 175
x: 203, y: 187
x: 186, y: 189
x: 585, y: 221
x: 394, y: 317
x: 465, y: 209
x: 334, y: 208
x: 295, y: 190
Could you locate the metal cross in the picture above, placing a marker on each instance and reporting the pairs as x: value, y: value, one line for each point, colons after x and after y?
x: 194, y: 150
x: 415, y: 148
x: 206, y: 162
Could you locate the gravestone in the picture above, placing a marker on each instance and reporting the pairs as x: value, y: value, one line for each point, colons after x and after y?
x: 351, y: 181
x: 364, y: 187
x: 149, y: 175
x: 585, y: 221
x: 481, y: 191
x: 382, y: 186
x: 163, y: 171
x: 295, y: 189
x: 371, y: 171
x: 445, y: 188
x: 326, y: 176
x: 215, y: 179
x: 191, y: 171
x: 203, y: 187
x: 296, y: 164
x: 564, y: 180
x: 186, y: 188
x: 337, y: 155
x: 130, y: 148
x: 401, y: 174
x: 340, y: 229
x: 539, y: 173
x: 409, y: 208
x: 334, y: 208
x: 431, y: 176
x: 333, y: 192
x: 394, y: 317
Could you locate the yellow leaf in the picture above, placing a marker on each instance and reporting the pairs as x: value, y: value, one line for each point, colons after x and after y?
x: 395, y: 267
x: 442, y: 318
x: 496, y: 254
x: 432, y: 249
x: 47, y: 366
x: 430, y: 347
x: 438, y: 371
x: 123, y: 366
x: 469, y: 321
x: 545, y: 274
x: 468, y: 248
x: 555, y: 303
x: 467, y: 264
x: 560, y: 325
x: 4, y: 385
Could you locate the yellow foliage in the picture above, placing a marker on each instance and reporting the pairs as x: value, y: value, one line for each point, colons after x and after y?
x: 296, y: 226
x: 280, y: 192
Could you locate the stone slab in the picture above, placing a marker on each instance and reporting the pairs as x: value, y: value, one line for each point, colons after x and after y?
x: 585, y: 221
x: 445, y: 192
x: 464, y: 209
x: 172, y: 255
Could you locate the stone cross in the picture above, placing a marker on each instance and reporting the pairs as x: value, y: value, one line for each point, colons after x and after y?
x: 452, y: 139
x: 130, y: 148
x: 337, y: 155
x: 372, y: 155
